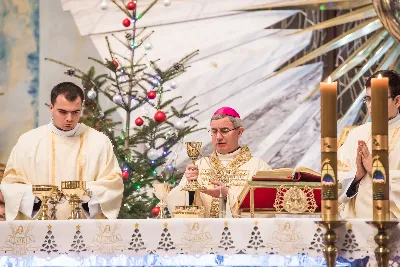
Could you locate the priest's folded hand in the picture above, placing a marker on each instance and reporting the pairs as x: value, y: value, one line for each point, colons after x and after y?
x: 214, y: 192
x: 360, y: 166
x: 366, y: 158
x: 192, y: 172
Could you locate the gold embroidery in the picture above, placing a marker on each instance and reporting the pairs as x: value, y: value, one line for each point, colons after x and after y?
x: 391, y: 144
x: 53, y: 159
x: 234, y: 178
x: 21, y: 240
x: 112, y: 176
x: 80, y: 158
x: 229, y: 174
x: 12, y: 172
x: 391, y: 139
x: 341, y: 164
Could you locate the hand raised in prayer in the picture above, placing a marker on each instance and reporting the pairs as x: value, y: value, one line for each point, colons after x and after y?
x: 360, y: 166
x: 2, y: 208
x: 192, y: 172
x: 366, y: 158
x: 214, y: 192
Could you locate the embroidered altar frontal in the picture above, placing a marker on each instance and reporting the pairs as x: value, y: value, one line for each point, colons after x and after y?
x: 202, y: 242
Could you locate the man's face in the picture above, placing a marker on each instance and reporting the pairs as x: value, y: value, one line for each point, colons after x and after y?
x: 393, y: 104
x: 224, y: 137
x: 66, y: 114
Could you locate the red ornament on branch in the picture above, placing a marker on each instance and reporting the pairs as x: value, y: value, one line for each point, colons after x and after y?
x: 126, y: 22
x: 131, y: 5
x: 151, y: 94
x: 139, y: 121
x: 160, y: 116
x: 116, y: 63
x: 125, y: 175
x: 155, y: 210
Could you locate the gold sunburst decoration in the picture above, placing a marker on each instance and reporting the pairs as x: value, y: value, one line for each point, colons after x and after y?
x: 379, y: 20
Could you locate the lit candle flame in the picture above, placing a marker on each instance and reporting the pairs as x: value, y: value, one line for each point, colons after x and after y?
x: 329, y: 79
x: 380, y: 76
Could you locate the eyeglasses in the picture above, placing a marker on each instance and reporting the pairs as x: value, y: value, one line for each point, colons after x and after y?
x: 368, y: 99
x: 222, y: 131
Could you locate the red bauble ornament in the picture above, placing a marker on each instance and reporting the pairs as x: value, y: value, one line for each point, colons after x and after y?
x: 160, y: 116
x: 131, y: 6
x: 155, y: 210
x: 139, y: 121
x: 125, y: 174
x: 115, y: 63
x: 126, y: 22
x: 151, y: 94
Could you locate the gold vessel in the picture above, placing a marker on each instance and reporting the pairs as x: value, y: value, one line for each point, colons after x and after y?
x: 44, y: 193
x: 75, y: 192
x: 193, y: 151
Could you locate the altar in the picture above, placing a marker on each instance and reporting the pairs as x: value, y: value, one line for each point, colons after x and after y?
x: 183, y: 242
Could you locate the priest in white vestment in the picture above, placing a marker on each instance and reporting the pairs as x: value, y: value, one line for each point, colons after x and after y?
x: 355, y: 159
x: 228, y: 168
x: 63, y: 150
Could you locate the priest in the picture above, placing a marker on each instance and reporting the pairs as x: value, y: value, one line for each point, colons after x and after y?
x: 227, y: 169
x: 63, y: 150
x: 355, y: 159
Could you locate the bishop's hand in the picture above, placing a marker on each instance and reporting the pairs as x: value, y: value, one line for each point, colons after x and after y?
x: 192, y: 172
x: 361, y: 171
x: 214, y: 192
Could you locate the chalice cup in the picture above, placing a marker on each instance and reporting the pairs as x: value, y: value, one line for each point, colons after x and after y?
x: 43, y: 192
x: 161, y: 191
x: 193, y: 151
x: 76, y: 193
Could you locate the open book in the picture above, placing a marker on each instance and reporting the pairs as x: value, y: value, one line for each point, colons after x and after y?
x: 301, y: 173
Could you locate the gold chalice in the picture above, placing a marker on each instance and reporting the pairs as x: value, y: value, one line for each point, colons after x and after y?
x: 193, y: 151
x: 161, y: 191
x: 43, y: 192
x: 76, y: 193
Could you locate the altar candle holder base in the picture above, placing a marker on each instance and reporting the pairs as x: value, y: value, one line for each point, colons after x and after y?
x: 382, y: 239
x: 330, y: 238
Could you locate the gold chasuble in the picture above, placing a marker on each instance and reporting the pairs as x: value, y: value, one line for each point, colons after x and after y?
x: 233, y: 169
x: 47, y: 156
x: 356, y: 199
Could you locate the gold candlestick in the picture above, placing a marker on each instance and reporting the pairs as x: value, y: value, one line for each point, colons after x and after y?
x: 380, y: 169
x: 330, y: 238
x: 382, y: 238
x: 329, y: 187
x: 380, y: 155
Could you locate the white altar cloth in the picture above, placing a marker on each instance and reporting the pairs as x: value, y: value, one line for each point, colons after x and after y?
x: 196, y: 242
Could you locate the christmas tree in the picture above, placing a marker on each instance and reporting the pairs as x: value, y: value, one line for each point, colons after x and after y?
x: 49, y: 244
x: 144, y: 150
x: 78, y: 244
